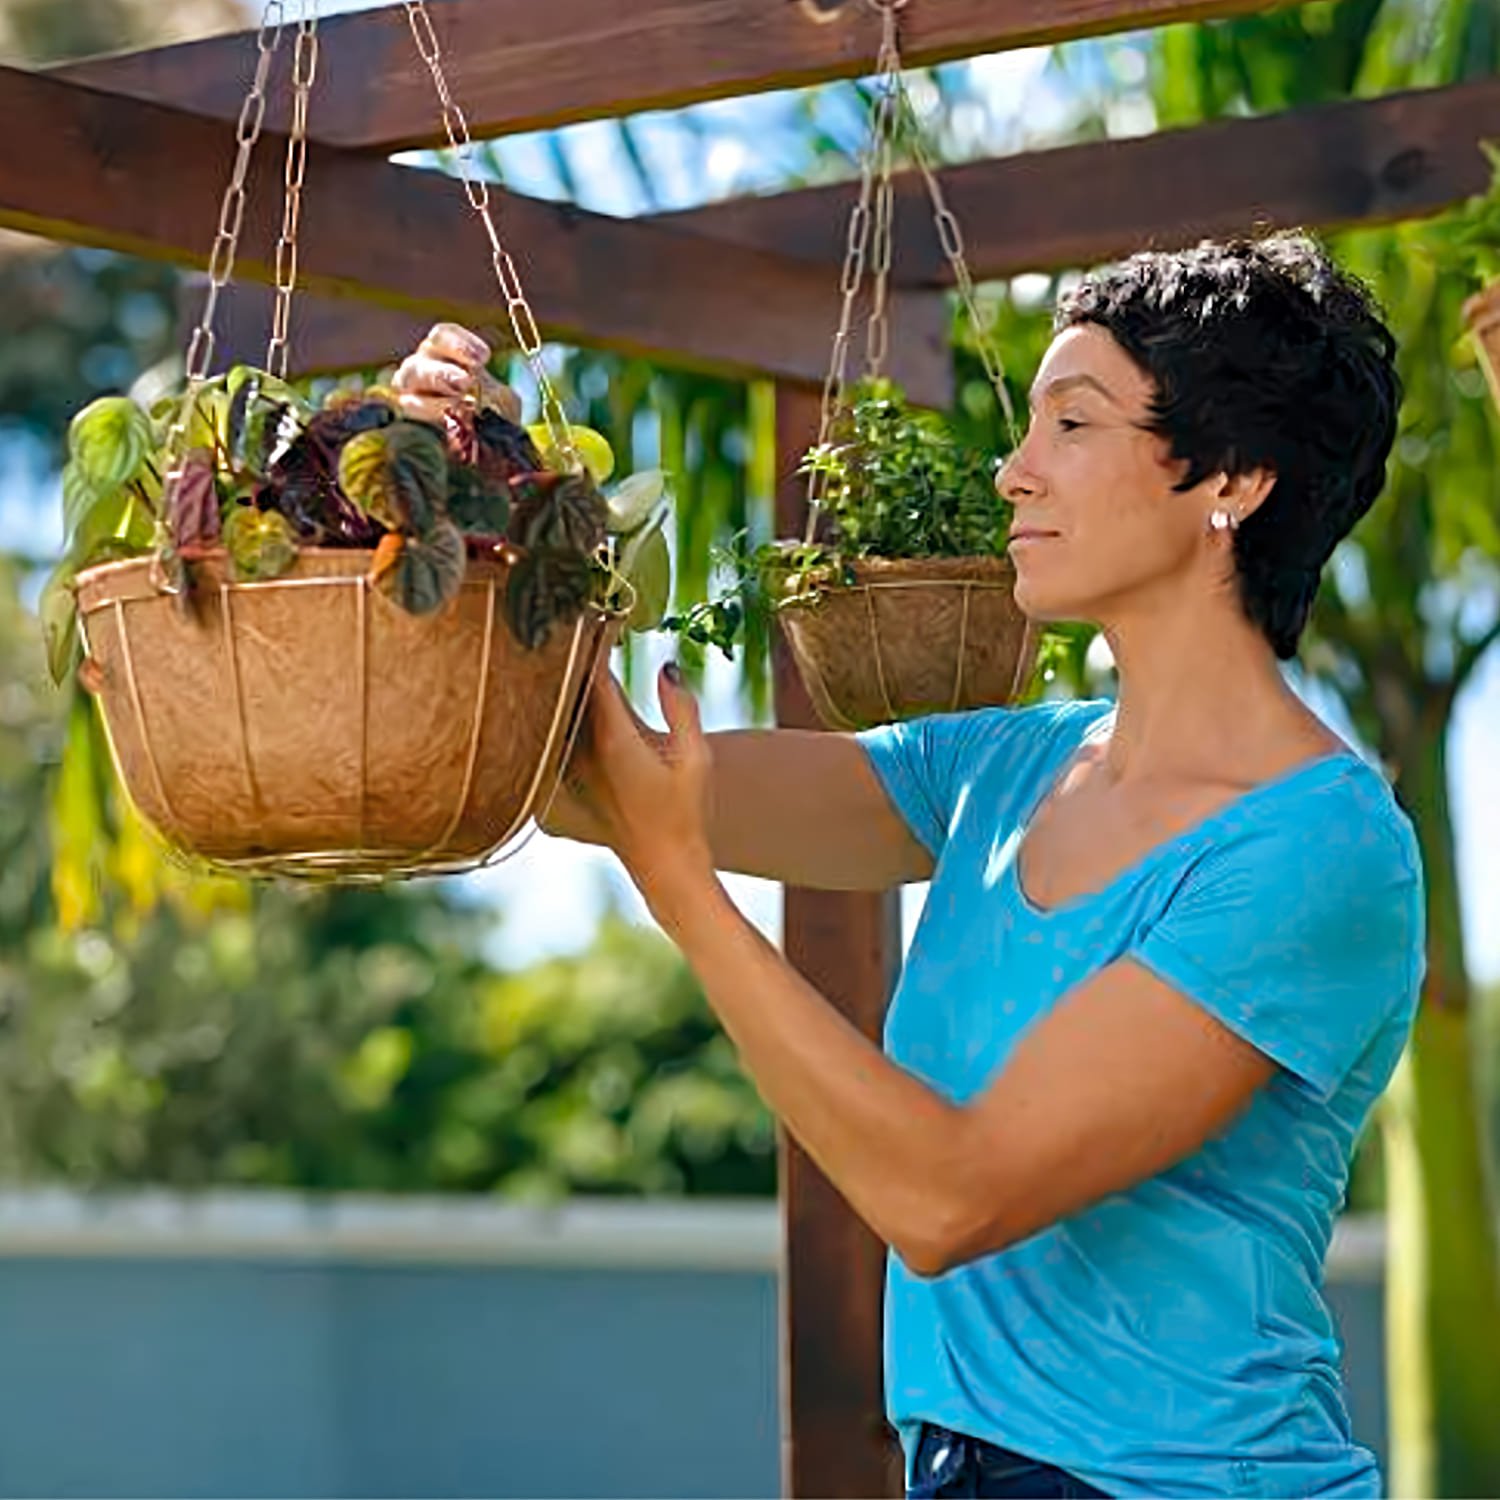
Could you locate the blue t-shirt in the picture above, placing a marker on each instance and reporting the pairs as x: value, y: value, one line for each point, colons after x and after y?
x: 1171, y: 1339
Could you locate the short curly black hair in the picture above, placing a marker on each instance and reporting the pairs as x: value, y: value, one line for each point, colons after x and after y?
x: 1263, y: 354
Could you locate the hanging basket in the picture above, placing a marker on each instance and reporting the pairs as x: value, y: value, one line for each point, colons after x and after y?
x: 1482, y: 315
x: 912, y: 637
x: 306, y: 726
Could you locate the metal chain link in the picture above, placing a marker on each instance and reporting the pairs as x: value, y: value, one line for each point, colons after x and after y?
x: 304, y: 69
x: 951, y: 238
x: 856, y: 253
x: 518, y: 310
x: 200, y: 350
x: 876, y: 184
x: 888, y: 67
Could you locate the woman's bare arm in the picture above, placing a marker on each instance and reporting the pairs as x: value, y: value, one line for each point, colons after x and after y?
x: 792, y: 805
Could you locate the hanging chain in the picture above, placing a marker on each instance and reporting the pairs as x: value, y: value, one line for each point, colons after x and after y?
x: 888, y: 67
x: 856, y: 254
x: 522, y: 322
x: 304, y: 68
x: 893, y: 108
x: 200, y: 350
x: 951, y: 238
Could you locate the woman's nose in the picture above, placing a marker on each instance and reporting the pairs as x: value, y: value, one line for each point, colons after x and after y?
x: 1014, y: 476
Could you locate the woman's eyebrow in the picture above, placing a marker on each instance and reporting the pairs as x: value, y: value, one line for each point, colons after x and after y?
x: 1065, y: 383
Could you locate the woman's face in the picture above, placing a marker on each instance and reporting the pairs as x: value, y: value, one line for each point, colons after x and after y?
x: 1098, y: 527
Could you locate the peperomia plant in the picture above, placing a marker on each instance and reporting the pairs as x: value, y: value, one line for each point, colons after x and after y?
x: 263, y: 474
x: 895, y: 483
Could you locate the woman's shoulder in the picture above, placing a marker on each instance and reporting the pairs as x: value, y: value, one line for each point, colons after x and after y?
x: 1330, y: 821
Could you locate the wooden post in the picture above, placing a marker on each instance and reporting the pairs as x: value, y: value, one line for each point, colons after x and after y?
x: 835, y: 1441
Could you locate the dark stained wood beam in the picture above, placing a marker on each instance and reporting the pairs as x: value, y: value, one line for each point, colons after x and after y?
x: 532, y: 64
x: 142, y: 178
x: 334, y: 334
x: 1401, y: 156
x: 835, y: 1441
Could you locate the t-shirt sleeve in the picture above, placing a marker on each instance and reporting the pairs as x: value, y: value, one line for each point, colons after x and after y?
x: 927, y: 765
x: 1303, y: 936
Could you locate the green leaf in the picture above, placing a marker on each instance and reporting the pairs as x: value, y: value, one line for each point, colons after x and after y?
x: 58, y: 611
x: 547, y: 587
x: 429, y: 572
x: 246, y: 378
x: 397, y: 475
x: 107, y: 442
x: 559, y: 512
x: 78, y: 497
x: 261, y: 543
x: 647, y: 562
x: 631, y: 503
x: 79, y: 834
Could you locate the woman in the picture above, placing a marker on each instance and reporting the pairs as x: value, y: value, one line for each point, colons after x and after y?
x: 1172, y: 946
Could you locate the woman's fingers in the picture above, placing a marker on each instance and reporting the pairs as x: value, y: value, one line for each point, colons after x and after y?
x: 452, y: 341
x: 426, y: 375
x: 448, y: 369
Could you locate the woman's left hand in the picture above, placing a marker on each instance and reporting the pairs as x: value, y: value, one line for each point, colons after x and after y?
x: 650, y: 790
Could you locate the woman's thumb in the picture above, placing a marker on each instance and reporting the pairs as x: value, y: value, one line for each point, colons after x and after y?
x: 679, y: 707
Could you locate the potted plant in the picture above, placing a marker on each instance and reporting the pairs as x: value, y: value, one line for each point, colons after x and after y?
x: 333, y: 640
x: 905, y: 606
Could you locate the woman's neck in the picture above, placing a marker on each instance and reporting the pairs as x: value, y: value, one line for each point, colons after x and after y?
x: 1201, y: 695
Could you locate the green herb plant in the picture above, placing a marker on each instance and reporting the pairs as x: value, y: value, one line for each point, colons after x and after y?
x: 896, y: 483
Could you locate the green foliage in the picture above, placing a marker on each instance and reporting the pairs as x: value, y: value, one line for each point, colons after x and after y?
x: 1466, y: 242
x: 898, y: 483
x: 353, y: 1040
x: 260, y: 543
x: 895, y: 482
x: 267, y: 475
x: 108, y: 441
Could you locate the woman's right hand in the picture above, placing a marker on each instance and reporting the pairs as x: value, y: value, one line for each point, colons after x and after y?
x: 447, y: 371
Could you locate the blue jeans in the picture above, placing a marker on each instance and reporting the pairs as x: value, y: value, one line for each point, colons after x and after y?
x: 951, y: 1464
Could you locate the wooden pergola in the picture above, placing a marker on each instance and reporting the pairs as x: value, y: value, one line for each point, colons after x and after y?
x: 133, y: 153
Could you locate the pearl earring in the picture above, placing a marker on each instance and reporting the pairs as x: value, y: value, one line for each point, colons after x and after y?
x: 1223, y: 520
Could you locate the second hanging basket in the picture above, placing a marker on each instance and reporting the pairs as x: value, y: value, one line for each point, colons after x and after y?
x: 907, y: 637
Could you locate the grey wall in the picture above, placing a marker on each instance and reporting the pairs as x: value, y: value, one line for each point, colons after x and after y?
x: 184, y: 1378
x: 185, y: 1363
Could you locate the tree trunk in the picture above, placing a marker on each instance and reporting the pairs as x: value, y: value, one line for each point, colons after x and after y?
x: 1443, y: 1283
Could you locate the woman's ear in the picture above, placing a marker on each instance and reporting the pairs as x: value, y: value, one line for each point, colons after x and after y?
x: 1240, y: 495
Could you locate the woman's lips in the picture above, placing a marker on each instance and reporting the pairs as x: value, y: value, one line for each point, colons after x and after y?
x: 1026, y: 536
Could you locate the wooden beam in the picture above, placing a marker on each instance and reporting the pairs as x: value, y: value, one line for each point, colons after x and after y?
x: 1370, y: 161
x: 1401, y: 156
x: 534, y: 64
x: 141, y: 178
x: 835, y: 1441
x: 333, y: 334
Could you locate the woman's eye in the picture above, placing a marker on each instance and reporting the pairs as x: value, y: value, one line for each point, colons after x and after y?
x: 1069, y: 424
